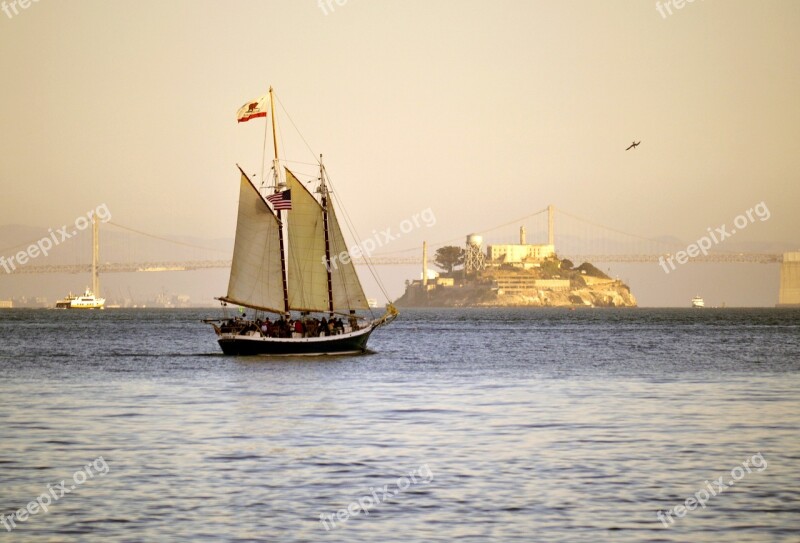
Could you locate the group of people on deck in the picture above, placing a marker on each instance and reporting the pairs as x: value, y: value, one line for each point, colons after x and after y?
x: 298, y: 328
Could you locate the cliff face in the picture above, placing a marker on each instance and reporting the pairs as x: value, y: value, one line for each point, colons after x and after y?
x: 612, y: 295
x: 549, y: 286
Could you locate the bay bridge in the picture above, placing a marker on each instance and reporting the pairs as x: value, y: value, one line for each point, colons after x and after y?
x: 129, y: 250
x: 575, y: 238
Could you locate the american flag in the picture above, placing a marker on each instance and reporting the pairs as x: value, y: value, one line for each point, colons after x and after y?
x: 281, y: 200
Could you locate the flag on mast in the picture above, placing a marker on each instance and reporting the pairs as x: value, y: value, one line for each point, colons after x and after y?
x: 253, y: 109
x: 281, y: 200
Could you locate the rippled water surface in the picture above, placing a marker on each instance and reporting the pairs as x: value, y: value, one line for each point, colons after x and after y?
x: 468, y: 425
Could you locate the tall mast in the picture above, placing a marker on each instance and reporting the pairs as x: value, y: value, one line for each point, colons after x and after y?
x: 324, y: 190
x: 280, y: 212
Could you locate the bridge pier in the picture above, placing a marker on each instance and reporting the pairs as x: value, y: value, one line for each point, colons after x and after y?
x: 789, y: 293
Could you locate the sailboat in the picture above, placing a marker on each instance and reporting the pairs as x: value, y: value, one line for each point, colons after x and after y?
x: 285, y: 268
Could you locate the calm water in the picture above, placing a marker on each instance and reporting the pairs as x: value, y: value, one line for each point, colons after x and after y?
x: 520, y: 425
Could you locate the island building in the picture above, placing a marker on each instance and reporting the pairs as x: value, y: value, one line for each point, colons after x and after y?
x: 522, y: 254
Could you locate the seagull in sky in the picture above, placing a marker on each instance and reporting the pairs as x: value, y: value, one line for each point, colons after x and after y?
x: 633, y: 145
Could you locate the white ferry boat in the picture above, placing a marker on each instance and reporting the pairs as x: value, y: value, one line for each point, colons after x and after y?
x: 697, y: 301
x: 87, y: 301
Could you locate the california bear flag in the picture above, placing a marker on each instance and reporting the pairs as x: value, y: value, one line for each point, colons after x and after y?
x: 253, y: 109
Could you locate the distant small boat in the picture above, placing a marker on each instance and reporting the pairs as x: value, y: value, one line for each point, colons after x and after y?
x: 697, y: 301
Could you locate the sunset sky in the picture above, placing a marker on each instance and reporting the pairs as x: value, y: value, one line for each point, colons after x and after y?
x: 481, y: 111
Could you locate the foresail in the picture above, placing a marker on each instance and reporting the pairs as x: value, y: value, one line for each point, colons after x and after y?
x: 308, y: 281
x: 255, y: 279
x: 347, y: 290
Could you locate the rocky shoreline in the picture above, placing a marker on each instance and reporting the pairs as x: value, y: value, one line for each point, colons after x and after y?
x: 552, y: 286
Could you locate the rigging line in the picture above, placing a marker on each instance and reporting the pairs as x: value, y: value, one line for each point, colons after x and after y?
x: 351, y: 228
x: 370, y: 266
x: 614, y: 229
x: 335, y: 250
x: 352, y: 266
x: 348, y: 221
x: 166, y: 239
x: 316, y: 165
x: 283, y: 146
x: 311, y: 176
x: 295, y: 126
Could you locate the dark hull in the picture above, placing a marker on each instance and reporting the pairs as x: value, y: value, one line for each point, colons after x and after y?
x: 355, y: 343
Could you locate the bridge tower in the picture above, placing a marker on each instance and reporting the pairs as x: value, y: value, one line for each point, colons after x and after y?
x: 789, y: 293
x: 550, y: 223
x: 424, y: 263
x: 95, y: 256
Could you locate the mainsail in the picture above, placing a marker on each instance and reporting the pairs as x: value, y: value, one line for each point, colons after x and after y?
x: 256, y: 280
x: 308, y: 277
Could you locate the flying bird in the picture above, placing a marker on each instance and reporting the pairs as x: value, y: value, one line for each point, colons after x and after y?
x: 633, y: 145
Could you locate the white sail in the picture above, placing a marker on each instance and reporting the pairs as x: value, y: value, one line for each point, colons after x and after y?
x: 347, y: 290
x: 256, y: 279
x: 308, y: 278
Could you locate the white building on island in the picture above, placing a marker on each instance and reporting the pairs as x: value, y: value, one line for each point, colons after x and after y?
x: 522, y: 254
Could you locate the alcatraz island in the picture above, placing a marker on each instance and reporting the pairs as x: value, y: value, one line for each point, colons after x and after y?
x: 511, y: 275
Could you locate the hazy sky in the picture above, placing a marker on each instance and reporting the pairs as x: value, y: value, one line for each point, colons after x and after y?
x: 482, y: 111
